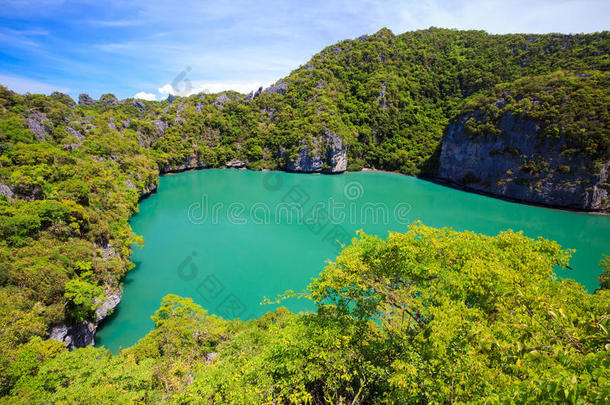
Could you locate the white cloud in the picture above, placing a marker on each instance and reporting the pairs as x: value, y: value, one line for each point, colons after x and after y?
x: 209, y: 87
x: 146, y: 96
x: 167, y: 89
x: 147, y: 42
x: 217, y: 87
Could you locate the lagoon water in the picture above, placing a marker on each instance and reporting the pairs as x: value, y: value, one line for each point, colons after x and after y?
x: 229, y: 238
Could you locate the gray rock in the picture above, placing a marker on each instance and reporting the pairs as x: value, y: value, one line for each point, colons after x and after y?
x: 499, y: 165
x: 221, y: 100
x: 59, y: 332
x: 190, y: 163
x: 36, y: 123
x: 109, y: 99
x: 76, y: 335
x: 327, y: 155
x: 106, y: 306
x: 6, y: 191
x: 87, y: 123
x: 129, y: 184
x: 148, y: 189
x: 337, y: 153
x: 235, y: 164
x: 253, y: 94
x: 138, y: 104
x: 280, y: 87
x: 84, y: 99
x: 107, y: 251
x: 75, y: 133
x: 161, y: 126
x: 210, y: 357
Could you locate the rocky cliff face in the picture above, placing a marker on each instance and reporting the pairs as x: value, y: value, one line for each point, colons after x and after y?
x: 190, y: 163
x: 520, y: 165
x: 74, y: 335
x: 81, y: 334
x: 328, y: 154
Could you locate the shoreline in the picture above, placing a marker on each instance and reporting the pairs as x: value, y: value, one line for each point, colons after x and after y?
x: 434, y: 180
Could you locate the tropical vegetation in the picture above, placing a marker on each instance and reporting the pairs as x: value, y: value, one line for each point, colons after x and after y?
x: 427, y: 316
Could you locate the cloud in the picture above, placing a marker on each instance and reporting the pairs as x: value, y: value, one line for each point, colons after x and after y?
x: 217, y: 87
x: 210, y: 87
x: 167, y: 89
x: 124, y: 47
x: 26, y: 85
x: 114, y: 23
x: 146, y: 96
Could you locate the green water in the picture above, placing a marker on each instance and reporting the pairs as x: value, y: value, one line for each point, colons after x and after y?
x: 251, y: 245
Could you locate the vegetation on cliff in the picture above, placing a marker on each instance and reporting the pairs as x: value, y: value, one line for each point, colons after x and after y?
x: 569, y: 107
x: 71, y: 175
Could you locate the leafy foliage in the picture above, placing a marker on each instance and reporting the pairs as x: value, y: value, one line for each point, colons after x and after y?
x: 71, y: 176
x: 429, y: 316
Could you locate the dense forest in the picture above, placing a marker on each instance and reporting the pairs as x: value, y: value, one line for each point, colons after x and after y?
x: 428, y: 316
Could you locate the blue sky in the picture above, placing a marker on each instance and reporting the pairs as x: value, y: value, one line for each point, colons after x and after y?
x: 140, y: 46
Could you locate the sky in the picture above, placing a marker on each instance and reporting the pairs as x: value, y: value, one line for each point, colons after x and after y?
x: 150, y: 48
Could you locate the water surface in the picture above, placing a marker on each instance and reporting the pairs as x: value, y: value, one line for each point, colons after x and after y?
x: 228, y: 238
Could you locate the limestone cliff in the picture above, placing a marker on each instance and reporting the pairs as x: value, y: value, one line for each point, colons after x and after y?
x: 522, y: 165
x: 326, y: 154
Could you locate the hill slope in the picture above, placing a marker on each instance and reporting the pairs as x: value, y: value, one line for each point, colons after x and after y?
x: 72, y: 174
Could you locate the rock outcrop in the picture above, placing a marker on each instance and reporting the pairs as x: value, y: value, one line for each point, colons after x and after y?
x: 190, y: 163
x: 221, y: 100
x: 76, y: 335
x: 326, y: 155
x: 235, y: 164
x: 109, y: 99
x: 520, y: 164
x: 280, y: 87
x: 107, y: 305
x: 81, y: 334
x: 36, y: 123
x: 253, y: 94
x: 149, y: 189
x: 85, y: 99
x: 6, y: 191
x: 139, y: 104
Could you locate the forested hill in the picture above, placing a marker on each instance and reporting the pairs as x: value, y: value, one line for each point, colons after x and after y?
x: 379, y: 101
x: 522, y: 116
